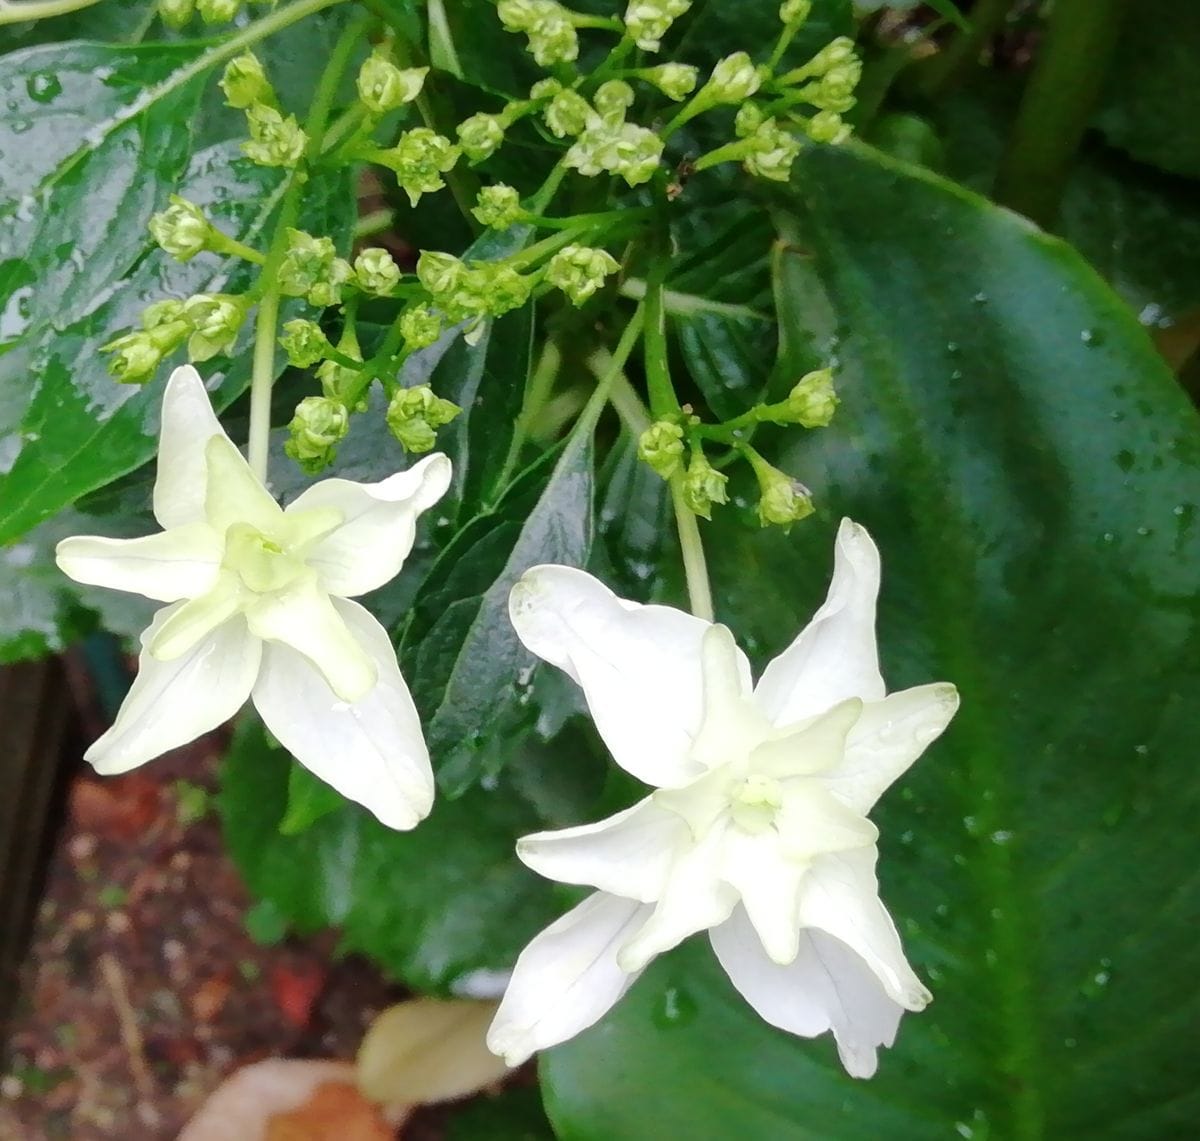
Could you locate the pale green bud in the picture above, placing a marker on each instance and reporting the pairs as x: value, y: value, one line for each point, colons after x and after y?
x: 827, y: 127
x: 439, y: 272
x: 834, y: 91
x: 376, y: 272
x: 838, y: 51
x: 661, y: 446
x: 415, y: 414
x: 312, y: 269
x: 647, y: 21
x: 161, y: 313
x: 703, y: 486
x: 749, y: 117
x: 675, y: 80
x: 493, y: 288
x: 497, y: 207
x: 176, y: 13
x: 420, y: 327
x: 793, y: 13
x: 567, y: 114
x: 613, y: 99
x: 480, y: 136
x: 734, y: 79
x: 631, y: 151
x: 218, y: 11
x: 548, y: 26
x: 245, y: 83
x: 304, y: 342
x: 275, y: 140
x: 783, y: 501
x: 579, y: 271
x: 318, y: 426
x: 419, y: 160
x: 775, y: 151
x: 136, y: 356
x: 545, y: 88
x: 338, y: 381
x: 813, y: 400
x: 383, y: 87
x: 215, y: 319
x: 181, y: 229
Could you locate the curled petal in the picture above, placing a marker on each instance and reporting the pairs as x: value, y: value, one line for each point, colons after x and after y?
x: 768, y: 881
x: 731, y: 717
x: 233, y: 494
x: 371, y: 750
x: 181, y: 563
x: 834, y: 657
x: 566, y: 979
x: 628, y: 854
x: 188, y: 423
x: 639, y: 666
x: 379, y: 524
x: 172, y: 703
x: 887, y: 738
x: 304, y: 618
x: 840, y: 896
x: 826, y: 987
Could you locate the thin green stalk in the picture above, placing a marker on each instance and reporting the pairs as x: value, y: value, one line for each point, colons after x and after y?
x: 621, y: 394
x: 262, y: 374
x: 11, y: 13
x: 663, y: 401
x: 541, y: 381
x: 616, y: 365
x: 1071, y: 66
x: 695, y: 569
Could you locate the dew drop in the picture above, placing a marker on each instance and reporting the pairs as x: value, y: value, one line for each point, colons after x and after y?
x: 43, y: 86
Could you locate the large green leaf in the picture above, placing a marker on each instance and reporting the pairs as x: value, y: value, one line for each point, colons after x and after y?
x: 1030, y: 471
x: 94, y: 139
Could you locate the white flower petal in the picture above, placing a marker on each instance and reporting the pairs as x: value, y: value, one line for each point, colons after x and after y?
x: 826, y: 987
x: 172, y: 703
x: 378, y: 528
x: 628, y: 854
x: 887, y: 738
x: 304, y: 618
x: 812, y: 821
x: 817, y: 746
x: 694, y: 898
x: 768, y: 880
x: 841, y: 897
x: 195, y: 619
x: 834, y: 657
x: 180, y: 563
x: 731, y: 716
x: 188, y: 423
x: 372, y: 750
x: 233, y: 494
x: 566, y: 979
x: 639, y: 666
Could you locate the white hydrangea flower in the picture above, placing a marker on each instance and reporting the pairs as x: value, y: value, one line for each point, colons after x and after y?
x: 757, y: 830
x: 258, y: 607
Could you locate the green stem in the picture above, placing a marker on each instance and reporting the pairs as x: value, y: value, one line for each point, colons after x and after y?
x: 1071, y: 66
x: 374, y: 223
x: 579, y: 221
x: 663, y: 401
x: 262, y: 374
x: 695, y: 569
x: 222, y: 243
x: 541, y: 381
x: 621, y: 395
x: 616, y: 366
x: 11, y: 13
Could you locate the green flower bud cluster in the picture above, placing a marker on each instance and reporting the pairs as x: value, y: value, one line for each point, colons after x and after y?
x: 734, y: 79
x: 481, y: 289
x: 245, y: 83
x: 343, y: 382
x: 647, y: 21
x: 811, y: 403
x: 480, y: 136
x: 782, y: 500
x: 420, y: 327
x: 675, y: 80
x: 304, y: 343
x: 414, y: 416
x: 662, y: 447
x: 217, y: 11
x: 383, y: 86
x: 623, y: 149
x: 827, y: 127
x: 214, y: 319
x: 275, y: 139
x: 376, y: 271
x: 793, y: 13
x: 317, y: 428
x: 579, y: 271
x: 567, y: 113
x: 176, y: 14
x: 497, y: 207
x: 419, y: 159
x: 703, y: 486
x: 311, y: 269
x: 181, y: 230
x: 773, y: 149
x: 547, y: 26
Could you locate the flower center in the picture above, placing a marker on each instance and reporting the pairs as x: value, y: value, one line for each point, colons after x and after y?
x: 259, y: 561
x: 755, y: 802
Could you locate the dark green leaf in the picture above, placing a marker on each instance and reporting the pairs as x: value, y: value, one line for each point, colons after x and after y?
x: 308, y: 799
x: 1031, y: 473
x: 515, y: 1115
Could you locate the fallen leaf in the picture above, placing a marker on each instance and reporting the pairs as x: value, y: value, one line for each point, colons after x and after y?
x: 209, y: 998
x: 295, y: 990
x: 335, y: 1112
x: 118, y: 809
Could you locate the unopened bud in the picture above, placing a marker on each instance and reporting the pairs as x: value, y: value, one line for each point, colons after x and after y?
x: 420, y: 327
x: 661, y: 446
x: 612, y: 99
x: 827, y: 127
x: 181, y: 229
x: 734, y: 79
x: 813, y: 401
x: 480, y: 136
x: 176, y: 13
x: 275, y: 140
x: 304, y: 343
x: 376, y: 272
x: 161, y: 313
x: 647, y: 21
x: 136, y: 356
x: 567, y: 114
x: 838, y: 51
x: 218, y: 11
x: 783, y: 501
x: 439, y: 272
x: 338, y: 381
x: 419, y: 159
x: 675, y: 80
x: 551, y: 34
x: 749, y: 117
x: 703, y: 486
x: 497, y: 207
x: 215, y: 319
x: 318, y: 426
x: 793, y: 13
x: 312, y: 269
x: 579, y: 271
x: 245, y: 83
x: 383, y: 87
x: 775, y: 149
x: 415, y: 414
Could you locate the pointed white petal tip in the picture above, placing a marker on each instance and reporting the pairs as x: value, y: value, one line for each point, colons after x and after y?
x: 183, y: 377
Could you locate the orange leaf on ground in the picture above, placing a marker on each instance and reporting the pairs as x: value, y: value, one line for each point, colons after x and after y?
x: 335, y: 1112
x: 295, y: 990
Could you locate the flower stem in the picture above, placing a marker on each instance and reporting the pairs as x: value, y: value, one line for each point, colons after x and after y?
x: 16, y: 13
x: 616, y: 366
x: 262, y: 375
x: 663, y: 401
x: 541, y: 381
x: 695, y: 569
